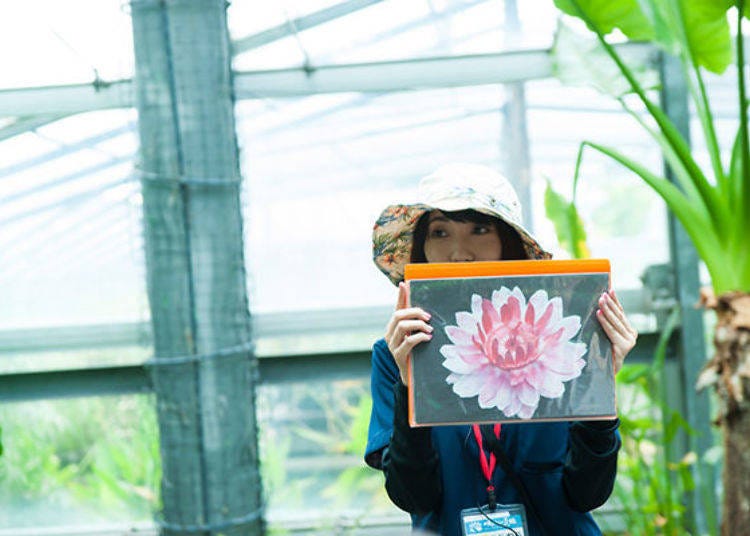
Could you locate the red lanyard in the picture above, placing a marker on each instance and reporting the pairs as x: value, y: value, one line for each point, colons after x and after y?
x: 488, y: 467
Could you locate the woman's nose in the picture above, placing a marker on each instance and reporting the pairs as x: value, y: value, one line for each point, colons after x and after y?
x: 461, y: 254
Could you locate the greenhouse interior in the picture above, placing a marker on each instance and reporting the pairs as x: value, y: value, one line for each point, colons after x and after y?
x: 189, y: 300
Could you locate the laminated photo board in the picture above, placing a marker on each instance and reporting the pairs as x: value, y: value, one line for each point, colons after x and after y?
x: 513, y: 341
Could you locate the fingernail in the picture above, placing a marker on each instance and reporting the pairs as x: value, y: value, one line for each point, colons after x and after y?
x: 428, y: 316
x: 430, y: 328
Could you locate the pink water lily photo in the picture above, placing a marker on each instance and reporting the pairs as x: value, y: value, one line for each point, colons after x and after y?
x: 512, y: 348
x: 509, y: 352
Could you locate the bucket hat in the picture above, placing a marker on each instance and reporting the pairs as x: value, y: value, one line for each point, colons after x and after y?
x: 450, y: 188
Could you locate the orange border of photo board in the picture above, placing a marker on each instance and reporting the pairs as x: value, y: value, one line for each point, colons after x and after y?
x: 499, y: 268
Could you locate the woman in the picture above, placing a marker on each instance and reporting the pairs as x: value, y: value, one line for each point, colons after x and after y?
x: 558, y: 471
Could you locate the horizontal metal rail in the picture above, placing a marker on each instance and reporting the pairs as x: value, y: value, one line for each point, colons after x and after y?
x: 273, y: 370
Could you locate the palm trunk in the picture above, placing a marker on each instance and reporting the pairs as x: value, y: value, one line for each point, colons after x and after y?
x: 729, y: 371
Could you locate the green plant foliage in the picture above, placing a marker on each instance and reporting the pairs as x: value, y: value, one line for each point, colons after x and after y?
x: 579, y: 60
x: 312, y: 445
x: 712, y: 204
x: 651, y: 481
x: 82, y: 461
x: 569, y: 228
x: 625, y: 15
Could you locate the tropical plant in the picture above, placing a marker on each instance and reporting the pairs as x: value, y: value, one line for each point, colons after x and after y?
x: 711, y: 202
x: 83, y: 461
x: 652, y: 476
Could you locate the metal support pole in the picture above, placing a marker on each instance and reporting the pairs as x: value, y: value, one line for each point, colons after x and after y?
x: 515, y: 137
x: 691, y: 348
x: 204, y: 370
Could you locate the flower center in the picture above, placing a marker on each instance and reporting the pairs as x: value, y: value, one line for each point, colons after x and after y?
x: 512, y: 347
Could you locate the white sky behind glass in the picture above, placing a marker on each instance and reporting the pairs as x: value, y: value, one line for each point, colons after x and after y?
x: 388, y: 30
x: 52, y: 42
x: 318, y: 169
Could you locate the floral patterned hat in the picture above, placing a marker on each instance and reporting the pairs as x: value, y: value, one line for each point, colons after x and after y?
x: 450, y: 188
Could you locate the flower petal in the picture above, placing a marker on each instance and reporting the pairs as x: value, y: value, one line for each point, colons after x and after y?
x: 570, y: 326
x: 542, y: 323
x: 539, y: 301
x: 490, y: 318
x: 458, y: 336
x: 551, y: 386
x: 510, y: 313
x: 514, y: 406
x: 499, y: 297
x: 527, y: 412
x: 476, y: 307
x: 468, y: 386
x: 530, y: 316
x: 517, y: 294
x: 528, y: 395
x: 487, y: 395
x: 466, y: 322
x: 470, y: 354
x: 459, y: 366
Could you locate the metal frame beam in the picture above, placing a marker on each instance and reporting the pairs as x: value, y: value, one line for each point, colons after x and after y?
x: 691, y: 349
x: 26, y: 124
x: 299, y: 24
x: 135, y: 379
x: 427, y: 73
x: 264, y: 326
x: 68, y: 99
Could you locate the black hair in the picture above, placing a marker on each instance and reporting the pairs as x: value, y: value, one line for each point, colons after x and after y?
x: 512, y: 246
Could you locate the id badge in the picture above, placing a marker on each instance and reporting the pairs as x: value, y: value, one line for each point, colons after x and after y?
x: 504, y: 520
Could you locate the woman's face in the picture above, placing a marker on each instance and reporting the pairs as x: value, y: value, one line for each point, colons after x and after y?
x: 455, y: 241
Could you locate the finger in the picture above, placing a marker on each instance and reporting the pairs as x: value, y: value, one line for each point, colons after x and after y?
x: 614, y: 313
x: 400, y: 315
x: 405, y: 328
x: 613, y: 331
x: 619, y: 310
x: 621, y: 344
x: 402, y: 300
x: 410, y: 341
x: 411, y: 312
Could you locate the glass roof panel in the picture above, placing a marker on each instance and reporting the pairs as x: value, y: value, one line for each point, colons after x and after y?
x: 60, y: 43
x: 392, y: 30
x: 319, y: 170
x: 71, y: 236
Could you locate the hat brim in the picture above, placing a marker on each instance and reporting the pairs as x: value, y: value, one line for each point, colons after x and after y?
x: 393, y: 233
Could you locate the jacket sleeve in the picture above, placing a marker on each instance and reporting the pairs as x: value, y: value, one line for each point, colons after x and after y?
x: 410, y: 463
x: 591, y: 464
x: 384, y: 374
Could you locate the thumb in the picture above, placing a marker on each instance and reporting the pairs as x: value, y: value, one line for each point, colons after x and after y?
x: 402, y: 301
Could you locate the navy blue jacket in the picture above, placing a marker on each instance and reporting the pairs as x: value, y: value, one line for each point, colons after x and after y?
x: 568, y: 468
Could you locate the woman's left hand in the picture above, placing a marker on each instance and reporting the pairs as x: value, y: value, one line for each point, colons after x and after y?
x: 621, y: 334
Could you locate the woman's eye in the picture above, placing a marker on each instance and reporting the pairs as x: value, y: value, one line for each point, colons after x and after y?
x: 438, y: 233
x: 481, y: 229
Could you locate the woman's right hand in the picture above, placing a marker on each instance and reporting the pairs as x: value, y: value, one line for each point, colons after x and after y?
x: 407, y: 327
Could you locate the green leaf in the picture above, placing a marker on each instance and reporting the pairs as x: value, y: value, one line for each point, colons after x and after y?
x: 569, y: 228
x: 696, y: 224
x: 631, y: 373
x: 579, y: 60
x: 707, y: 31
x: 625, y: 15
